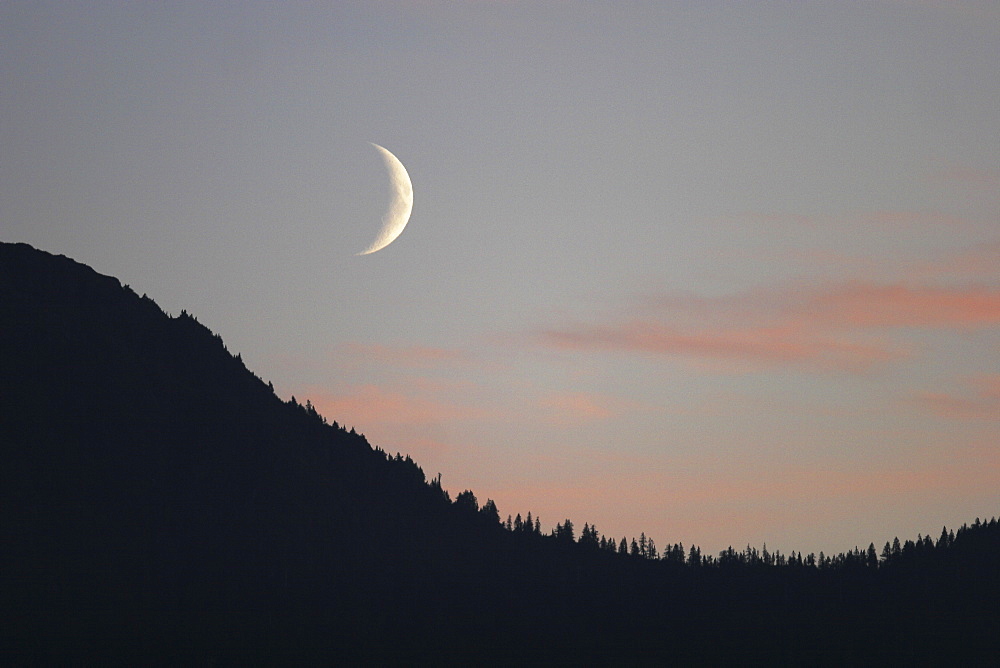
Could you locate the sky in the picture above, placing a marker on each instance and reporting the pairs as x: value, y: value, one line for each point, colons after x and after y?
x: 722, y: 273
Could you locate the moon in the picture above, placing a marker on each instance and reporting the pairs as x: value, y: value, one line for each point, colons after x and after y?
x: 398, y: 213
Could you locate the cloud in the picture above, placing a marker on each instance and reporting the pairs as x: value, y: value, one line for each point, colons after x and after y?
x: 842, y: 326
x: 881, y: 306
x: 376, y: 405
x: 573, y: 407
x: 980, y: 261
x: 760, y: 345
x: 980, y: 401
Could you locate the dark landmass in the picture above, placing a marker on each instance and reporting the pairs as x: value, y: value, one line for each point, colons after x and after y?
x: 159, y: 504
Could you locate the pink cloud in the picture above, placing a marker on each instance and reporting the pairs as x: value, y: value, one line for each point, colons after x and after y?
x: 577, y: 406
x: 981, y: 401
x: 761, y: 345
x: 981, y: 261
x: 375, y: 405
x: 867, y: 305
x: 844, y: 326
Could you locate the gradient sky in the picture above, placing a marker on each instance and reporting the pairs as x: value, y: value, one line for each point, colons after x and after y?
x: 724, y: 273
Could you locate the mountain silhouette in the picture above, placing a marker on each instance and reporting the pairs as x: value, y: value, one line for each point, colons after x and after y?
x: 160, y: 504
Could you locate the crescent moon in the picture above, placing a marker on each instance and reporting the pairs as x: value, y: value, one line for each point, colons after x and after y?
x: 398, y: 214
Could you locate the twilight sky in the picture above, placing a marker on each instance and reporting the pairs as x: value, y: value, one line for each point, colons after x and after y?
x: 725, y: 273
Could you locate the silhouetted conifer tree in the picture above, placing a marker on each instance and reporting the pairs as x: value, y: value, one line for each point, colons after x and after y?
x: 589, y: 537
x: 694, y: 556
x: 564, y: 531
x: 467, y: 501
x: 490, y: 512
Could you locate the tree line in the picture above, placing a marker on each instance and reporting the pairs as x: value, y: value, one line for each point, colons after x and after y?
x: 922, y: 549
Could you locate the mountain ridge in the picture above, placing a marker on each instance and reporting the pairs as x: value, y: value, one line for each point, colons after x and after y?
x: 159, y: 501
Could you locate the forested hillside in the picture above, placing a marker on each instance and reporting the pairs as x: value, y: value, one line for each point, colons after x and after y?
x: 160, y: 504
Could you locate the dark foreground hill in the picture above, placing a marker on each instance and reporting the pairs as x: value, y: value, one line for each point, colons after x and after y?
x: 159, y: 504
